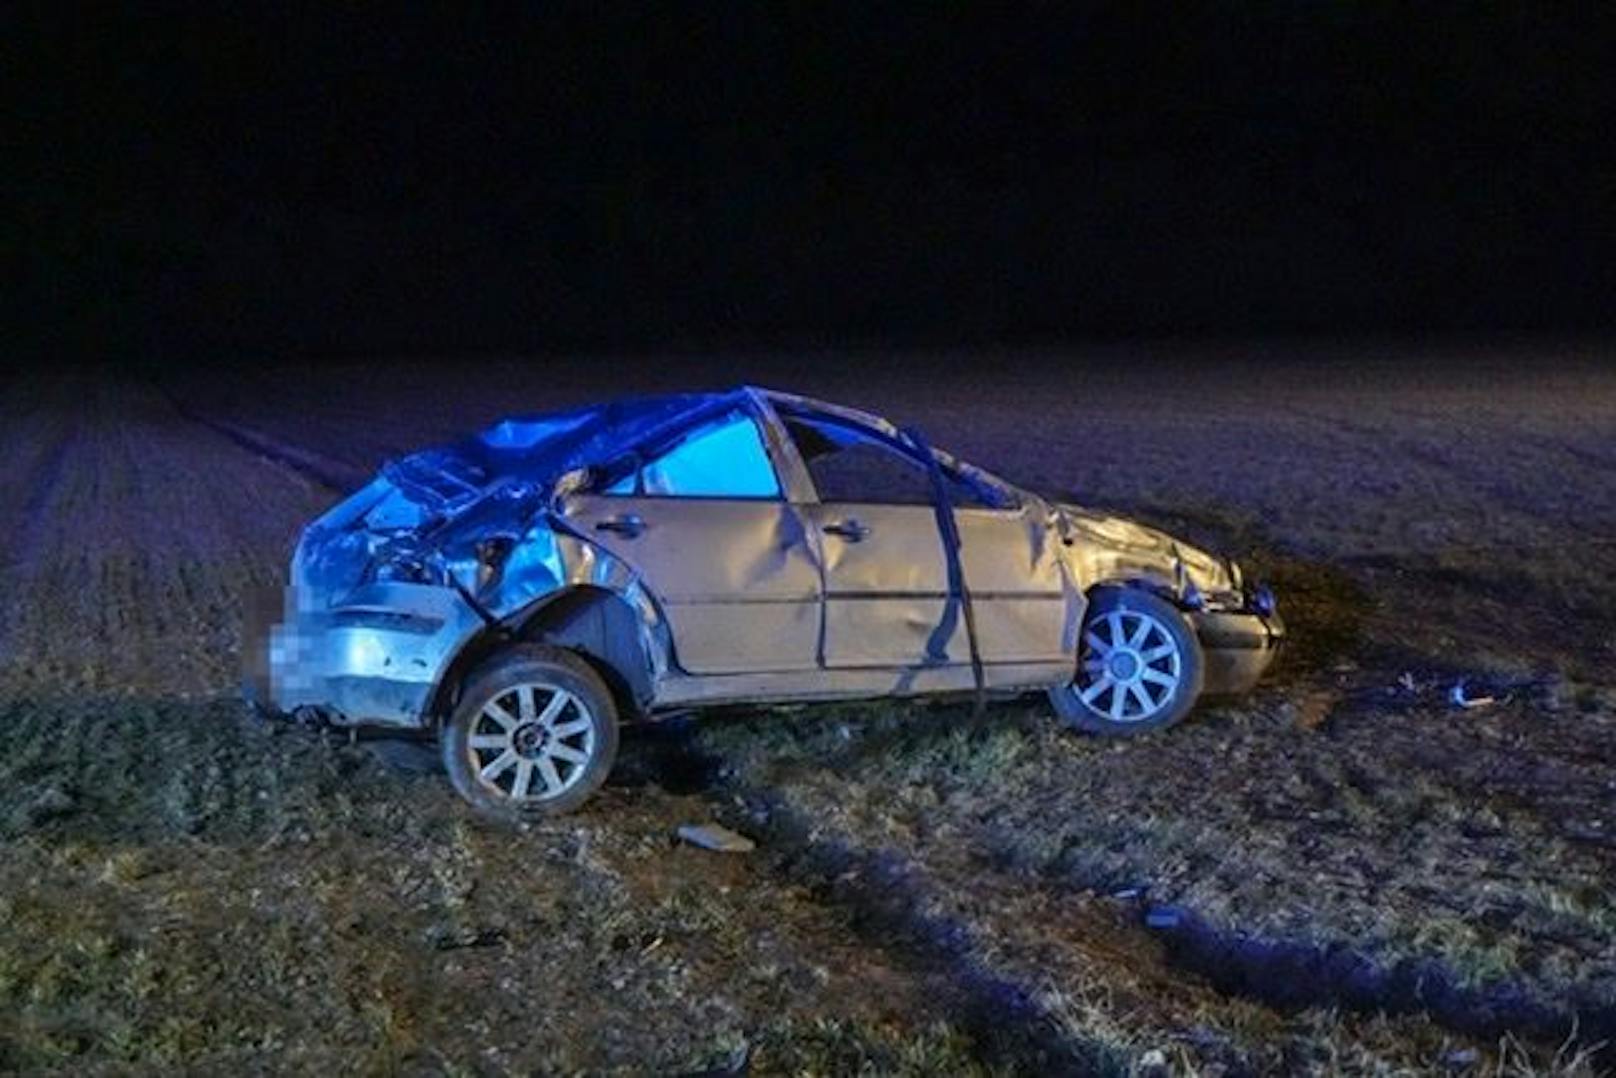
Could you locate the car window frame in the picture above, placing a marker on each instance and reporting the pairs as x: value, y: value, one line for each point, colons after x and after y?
x: 647, y: 451
x: 786, y: 413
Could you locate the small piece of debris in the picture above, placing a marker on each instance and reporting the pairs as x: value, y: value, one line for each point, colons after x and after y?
x: 1484, y: 823
x: 710, y: 836
x: 734, y: 1065
x: 1461, y: 699
x: 53, y: 803
x: 1316, y: 707
x: 1153, y: 1061
x: 446, y: 938
x: 1163, y: 917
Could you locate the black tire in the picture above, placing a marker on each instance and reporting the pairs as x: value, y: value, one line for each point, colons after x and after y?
x: 470, y: 736
x: 1101, y: 714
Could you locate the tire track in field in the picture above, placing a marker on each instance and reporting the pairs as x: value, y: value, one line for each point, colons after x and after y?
x: 896, y: 909
x: 1501, y: 495
x: 1505, y: 542
x: 143, y: 532
x: 43, y: 477
x: 334, y: 475
x: 43, y: 483
x: 1086, y: 991
x: 1039, y: 995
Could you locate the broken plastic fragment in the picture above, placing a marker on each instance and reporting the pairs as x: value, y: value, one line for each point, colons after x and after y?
x: 1163, y: 917
x: 710, y: 836
x: 1460, y: 699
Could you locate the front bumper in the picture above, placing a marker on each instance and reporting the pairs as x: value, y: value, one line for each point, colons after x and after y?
x: 375, y: 660
x: 1238, y: 647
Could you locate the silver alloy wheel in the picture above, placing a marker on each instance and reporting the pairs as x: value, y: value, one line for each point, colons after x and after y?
x: 532, y: 742
x: 1129, y: 668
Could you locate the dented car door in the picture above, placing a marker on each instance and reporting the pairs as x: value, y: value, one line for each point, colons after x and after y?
x: 888, y: 601
x: 702, y: 517
x: 1026, y: 608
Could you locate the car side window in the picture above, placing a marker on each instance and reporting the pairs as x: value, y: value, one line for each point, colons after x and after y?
x: 849, y: 464
x: 721, y: 458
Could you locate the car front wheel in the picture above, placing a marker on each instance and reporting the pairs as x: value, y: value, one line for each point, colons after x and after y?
x: 1139, y: 666
x: 534, y: 733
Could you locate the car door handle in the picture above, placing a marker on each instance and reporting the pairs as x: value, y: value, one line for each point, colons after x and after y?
x: 851, y: 530
x: 629, y: 525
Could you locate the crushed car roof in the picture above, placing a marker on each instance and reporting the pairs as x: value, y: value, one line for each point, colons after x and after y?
x: 545, y: 444
x: 539, y: 447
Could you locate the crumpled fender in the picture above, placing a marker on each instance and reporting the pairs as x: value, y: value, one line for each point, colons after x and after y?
x: 542, y: 561
x: 1105, y: 548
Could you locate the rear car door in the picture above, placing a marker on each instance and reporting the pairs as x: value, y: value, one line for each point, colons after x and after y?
x: 700, y: 514
x: 887, y: 597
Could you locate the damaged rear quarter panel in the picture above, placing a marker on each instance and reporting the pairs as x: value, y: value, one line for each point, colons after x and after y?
x: 540, y: 587
x: 380, y: 654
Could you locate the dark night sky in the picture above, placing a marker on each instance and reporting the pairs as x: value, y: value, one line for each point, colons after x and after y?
x: 765, y: 174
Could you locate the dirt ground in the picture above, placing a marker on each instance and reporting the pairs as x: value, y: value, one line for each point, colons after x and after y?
x: 1343, y: 873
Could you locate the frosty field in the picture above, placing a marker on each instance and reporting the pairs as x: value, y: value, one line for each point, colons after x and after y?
x: 1344, y: 872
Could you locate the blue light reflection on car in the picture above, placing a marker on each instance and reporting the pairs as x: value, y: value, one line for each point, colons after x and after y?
x: 721, y: 459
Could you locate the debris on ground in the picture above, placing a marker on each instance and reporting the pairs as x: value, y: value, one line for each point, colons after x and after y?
x: 711, y: 836
x: 1549, y: 691
x: 1163, y: 917
x: 1316, y: 707
x: 53, y: 803
x: 1153, y: 1062
x: 445, y: 938
x: 738, y: 1062
x: 1460, y: 697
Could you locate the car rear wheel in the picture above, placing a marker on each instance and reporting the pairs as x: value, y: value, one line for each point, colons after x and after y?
x: 1139, y: 666
x: 534, y: 734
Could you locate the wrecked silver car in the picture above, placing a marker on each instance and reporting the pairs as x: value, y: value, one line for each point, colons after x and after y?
x: 524, y: 591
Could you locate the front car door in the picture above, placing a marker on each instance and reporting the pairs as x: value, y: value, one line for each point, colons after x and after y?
x: 887, y: 595
x: 701, y: 515
x: 1026, y: 606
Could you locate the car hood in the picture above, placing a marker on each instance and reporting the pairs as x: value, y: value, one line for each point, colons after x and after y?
x: 1115, y: 547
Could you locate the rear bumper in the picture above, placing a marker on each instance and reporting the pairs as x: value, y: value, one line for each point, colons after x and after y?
x: 374, y: 661
x: 1238, y: 647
